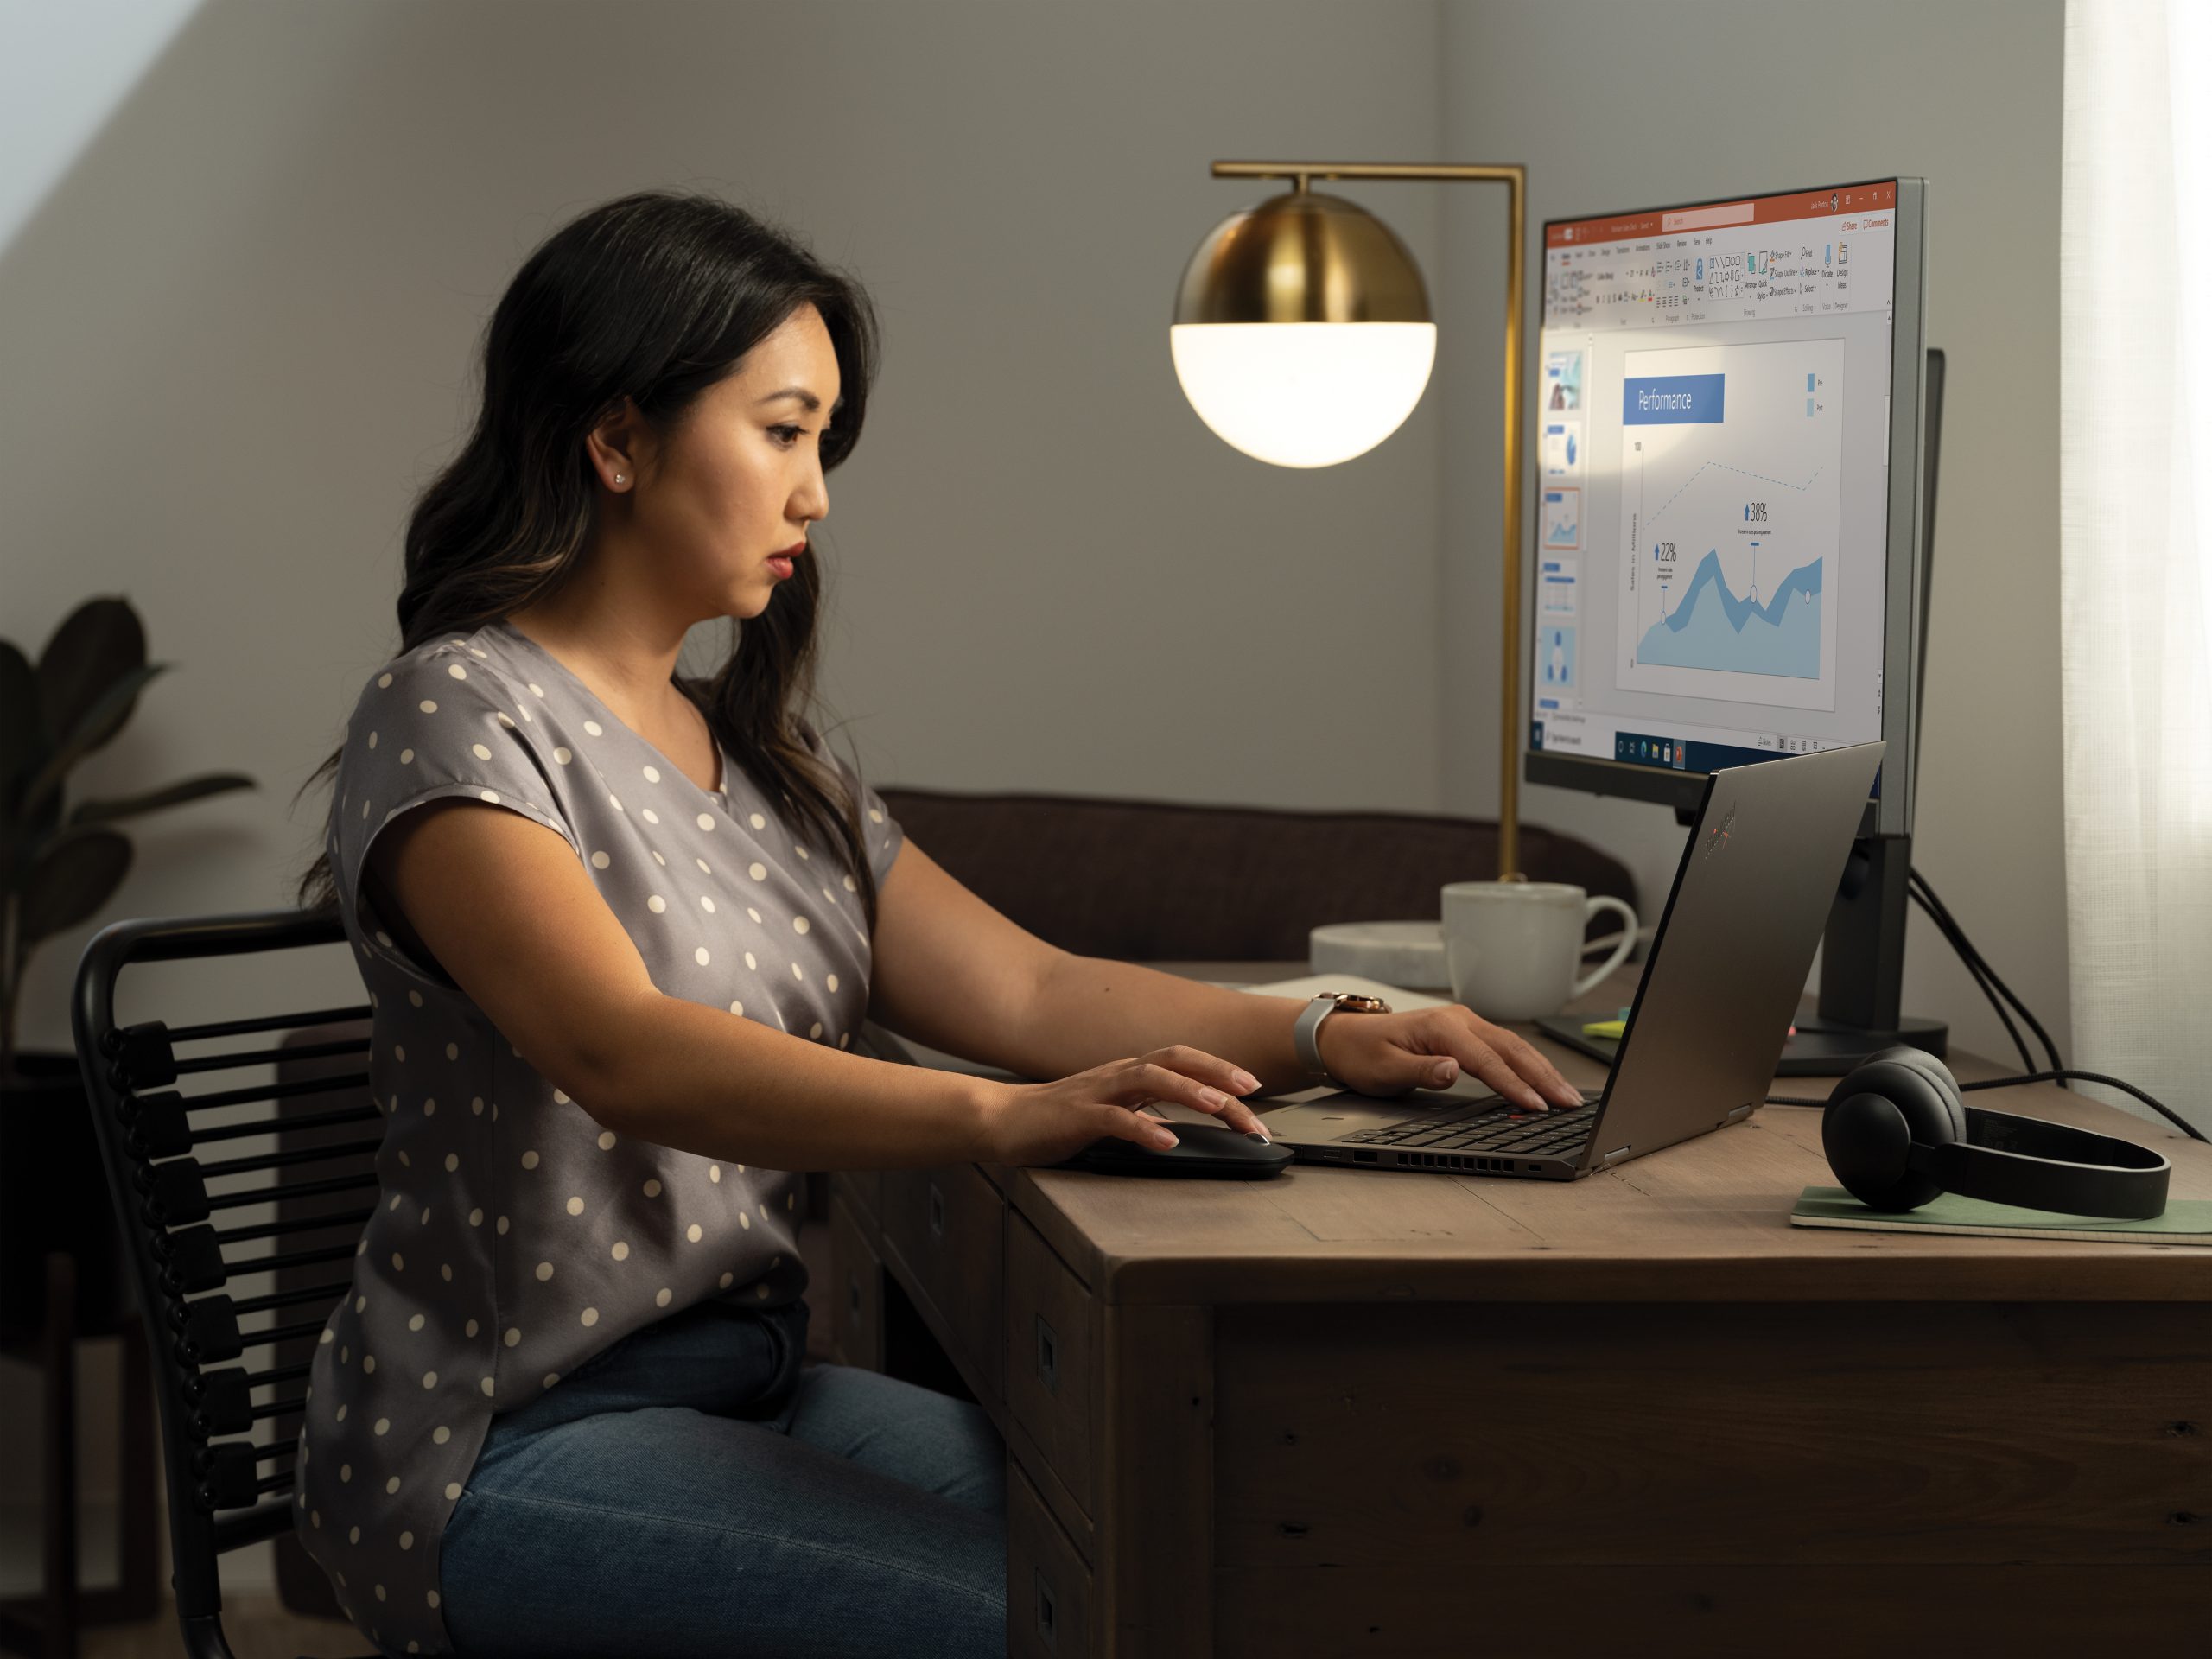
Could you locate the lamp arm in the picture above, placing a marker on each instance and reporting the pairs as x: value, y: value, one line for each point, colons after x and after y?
x: 1515, y: 177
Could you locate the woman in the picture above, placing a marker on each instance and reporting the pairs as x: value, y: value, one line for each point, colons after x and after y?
x: 561, y: 1408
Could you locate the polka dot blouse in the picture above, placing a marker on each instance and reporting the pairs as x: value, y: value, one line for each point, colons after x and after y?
x: 513, y: 1237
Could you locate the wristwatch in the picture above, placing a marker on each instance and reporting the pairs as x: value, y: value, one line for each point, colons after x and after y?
x: 1304, y: 1034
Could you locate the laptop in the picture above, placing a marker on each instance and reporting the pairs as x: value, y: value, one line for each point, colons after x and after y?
x: 1720, y: 985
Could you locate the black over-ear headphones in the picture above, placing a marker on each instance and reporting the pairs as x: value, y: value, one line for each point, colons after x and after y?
x: 1896, y: 1136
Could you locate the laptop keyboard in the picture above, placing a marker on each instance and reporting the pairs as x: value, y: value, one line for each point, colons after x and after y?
x: 1500, y: 1127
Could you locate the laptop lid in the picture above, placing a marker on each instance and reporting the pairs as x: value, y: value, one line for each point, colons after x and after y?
x: 1733, y: 948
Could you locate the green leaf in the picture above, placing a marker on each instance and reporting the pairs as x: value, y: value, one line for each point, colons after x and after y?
x: 192, y: 788
x: 96, y: 645
x: 22, y: 734
x: 79, y: 873
x: 93, y: 728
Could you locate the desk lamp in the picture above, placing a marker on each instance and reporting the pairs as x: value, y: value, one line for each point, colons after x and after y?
x: 1302, y: 337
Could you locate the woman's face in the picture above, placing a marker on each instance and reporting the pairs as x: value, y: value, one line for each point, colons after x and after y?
x: 739, y: 479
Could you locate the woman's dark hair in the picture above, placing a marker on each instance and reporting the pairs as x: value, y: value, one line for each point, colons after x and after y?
x: 653, y: 297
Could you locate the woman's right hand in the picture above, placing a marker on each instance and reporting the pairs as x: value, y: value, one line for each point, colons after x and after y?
x: 1045, y: 1122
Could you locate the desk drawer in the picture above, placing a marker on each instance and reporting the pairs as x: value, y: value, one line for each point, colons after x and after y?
x: 853, y: 1301
x: 948, y: 1226
x: 1048, y: 1599
x: 1049, y: 1357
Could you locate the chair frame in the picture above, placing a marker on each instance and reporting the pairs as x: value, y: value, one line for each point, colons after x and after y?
x: 218, y: 1499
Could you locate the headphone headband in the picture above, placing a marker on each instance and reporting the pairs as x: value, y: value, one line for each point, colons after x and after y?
x: 2007, y: 1159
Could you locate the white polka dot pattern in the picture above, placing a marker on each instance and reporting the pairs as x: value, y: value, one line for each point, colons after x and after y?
x: 596, y: 1234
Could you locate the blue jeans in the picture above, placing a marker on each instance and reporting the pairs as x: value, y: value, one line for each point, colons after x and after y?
x: 696, y: 1490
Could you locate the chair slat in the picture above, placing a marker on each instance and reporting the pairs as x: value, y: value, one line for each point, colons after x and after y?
x: 283, y: 1189
x: 287, y: 1160
x: 313, y: 1121
x: 271, y: 1022
x: 356, y: 1218
x: 281, y: 1374
x: 256, y: 1526
x: 327, y: 1294
x: 234, y: 1059
x: 279, y: 1091
x: 286, y: 1259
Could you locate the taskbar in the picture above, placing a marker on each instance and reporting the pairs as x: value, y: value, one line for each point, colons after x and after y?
x: 1666, y: 752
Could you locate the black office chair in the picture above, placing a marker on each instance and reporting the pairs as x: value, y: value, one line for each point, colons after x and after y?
x: 151, y: 1135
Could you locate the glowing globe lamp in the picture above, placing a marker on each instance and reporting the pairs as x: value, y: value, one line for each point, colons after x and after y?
x: 1302, y: 333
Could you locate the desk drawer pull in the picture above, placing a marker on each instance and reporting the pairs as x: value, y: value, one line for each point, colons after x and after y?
x: 1047, y: 1624
x: 1048, y: 1355
x: 936, y: 1211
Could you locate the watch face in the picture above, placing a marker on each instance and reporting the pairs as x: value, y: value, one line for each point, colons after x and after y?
x: 1356, y: 1004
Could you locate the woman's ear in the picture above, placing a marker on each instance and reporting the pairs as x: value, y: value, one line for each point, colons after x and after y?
x: 615, y: 447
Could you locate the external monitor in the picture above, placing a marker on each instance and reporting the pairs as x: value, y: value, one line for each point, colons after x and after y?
x: 1728, y: 458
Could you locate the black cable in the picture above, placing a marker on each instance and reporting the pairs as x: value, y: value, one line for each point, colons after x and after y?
x: 2053, y: 1076
x: 1977, y: 967
x: 1933, y: 903
x: 1969, y: 956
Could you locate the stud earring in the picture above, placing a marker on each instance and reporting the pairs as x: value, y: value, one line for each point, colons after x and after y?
x: 618, y: 477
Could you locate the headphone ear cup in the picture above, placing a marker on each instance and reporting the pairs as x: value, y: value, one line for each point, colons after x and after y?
x: 1946, y: 1086
x: 1891, y: 1101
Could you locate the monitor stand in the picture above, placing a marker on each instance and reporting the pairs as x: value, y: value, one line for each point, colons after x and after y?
x: 1862, y: 969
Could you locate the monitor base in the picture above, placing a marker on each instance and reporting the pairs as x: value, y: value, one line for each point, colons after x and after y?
x: 1817, y: 1049
x: 1820, y: 1047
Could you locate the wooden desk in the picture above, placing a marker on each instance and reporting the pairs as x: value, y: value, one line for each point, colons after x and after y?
x: 1346, y: 1411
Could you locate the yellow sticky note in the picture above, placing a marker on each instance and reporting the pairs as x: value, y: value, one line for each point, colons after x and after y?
x: 1612, y: 1028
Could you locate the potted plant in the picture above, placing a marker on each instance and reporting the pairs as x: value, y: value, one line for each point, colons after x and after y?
x: 58, y: 867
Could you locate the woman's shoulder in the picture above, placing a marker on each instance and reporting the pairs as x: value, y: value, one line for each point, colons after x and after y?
x: 460, y: 666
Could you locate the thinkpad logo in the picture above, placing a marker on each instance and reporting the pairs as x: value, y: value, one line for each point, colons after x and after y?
x: 1716, y: 839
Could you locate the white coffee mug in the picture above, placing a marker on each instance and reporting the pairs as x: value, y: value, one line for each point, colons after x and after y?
x: 1512, y: 947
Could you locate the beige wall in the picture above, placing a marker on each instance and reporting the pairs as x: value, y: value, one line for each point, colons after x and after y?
x: 235, y: 340
x: 236, y: 335
x: 1617, y: 107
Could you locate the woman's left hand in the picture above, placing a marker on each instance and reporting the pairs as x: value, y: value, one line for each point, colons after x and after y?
x: 1388, y: 1054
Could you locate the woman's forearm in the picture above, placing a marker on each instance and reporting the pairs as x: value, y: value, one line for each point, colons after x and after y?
x: 1088, y: 1010
x: 697, y: 1078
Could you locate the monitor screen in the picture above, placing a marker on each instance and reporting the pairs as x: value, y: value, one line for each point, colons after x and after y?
x: 1719, y: 538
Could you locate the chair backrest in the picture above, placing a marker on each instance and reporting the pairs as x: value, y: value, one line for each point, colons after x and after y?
x: 230, y: 1367
x: 1162, y: 882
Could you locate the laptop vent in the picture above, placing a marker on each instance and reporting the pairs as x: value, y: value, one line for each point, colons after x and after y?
x: 1452, y: 1160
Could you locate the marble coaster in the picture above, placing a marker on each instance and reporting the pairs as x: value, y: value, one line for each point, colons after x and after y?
x: 1397, y: 953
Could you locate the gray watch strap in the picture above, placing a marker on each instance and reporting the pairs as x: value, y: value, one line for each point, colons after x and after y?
x: 1304, y: 1038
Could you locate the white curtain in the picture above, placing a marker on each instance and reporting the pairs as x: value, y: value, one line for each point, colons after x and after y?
x: 2135, y: 523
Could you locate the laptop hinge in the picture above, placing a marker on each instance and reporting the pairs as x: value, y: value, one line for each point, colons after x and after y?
x: 1613, y: 1157
x: 1740, y: 1113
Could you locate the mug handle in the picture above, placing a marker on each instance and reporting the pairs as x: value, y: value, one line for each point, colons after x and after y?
x: 1605, y: 901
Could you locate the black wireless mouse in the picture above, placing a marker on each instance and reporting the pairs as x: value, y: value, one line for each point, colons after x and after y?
x: 1206, y: 1151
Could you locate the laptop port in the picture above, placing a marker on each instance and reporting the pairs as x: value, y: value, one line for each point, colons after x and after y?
x: 1363, y: 1156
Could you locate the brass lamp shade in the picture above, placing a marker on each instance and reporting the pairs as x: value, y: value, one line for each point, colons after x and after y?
x: 1302, y: 333
x: 1302, y: 257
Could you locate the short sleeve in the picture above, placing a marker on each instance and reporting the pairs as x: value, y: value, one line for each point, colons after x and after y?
x: 432, y: 726
x: 879, y: 832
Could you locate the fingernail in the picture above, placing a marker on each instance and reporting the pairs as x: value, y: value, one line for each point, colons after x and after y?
x: 1167, y: 1138
x: 1214, y: 1097
x: 1445, y: 1072
x: 1245, y: 1081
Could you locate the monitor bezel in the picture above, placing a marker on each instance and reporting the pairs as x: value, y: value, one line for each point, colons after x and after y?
x: 1891, y: 812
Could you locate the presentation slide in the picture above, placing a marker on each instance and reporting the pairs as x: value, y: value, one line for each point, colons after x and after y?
x: 1731, y: 462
